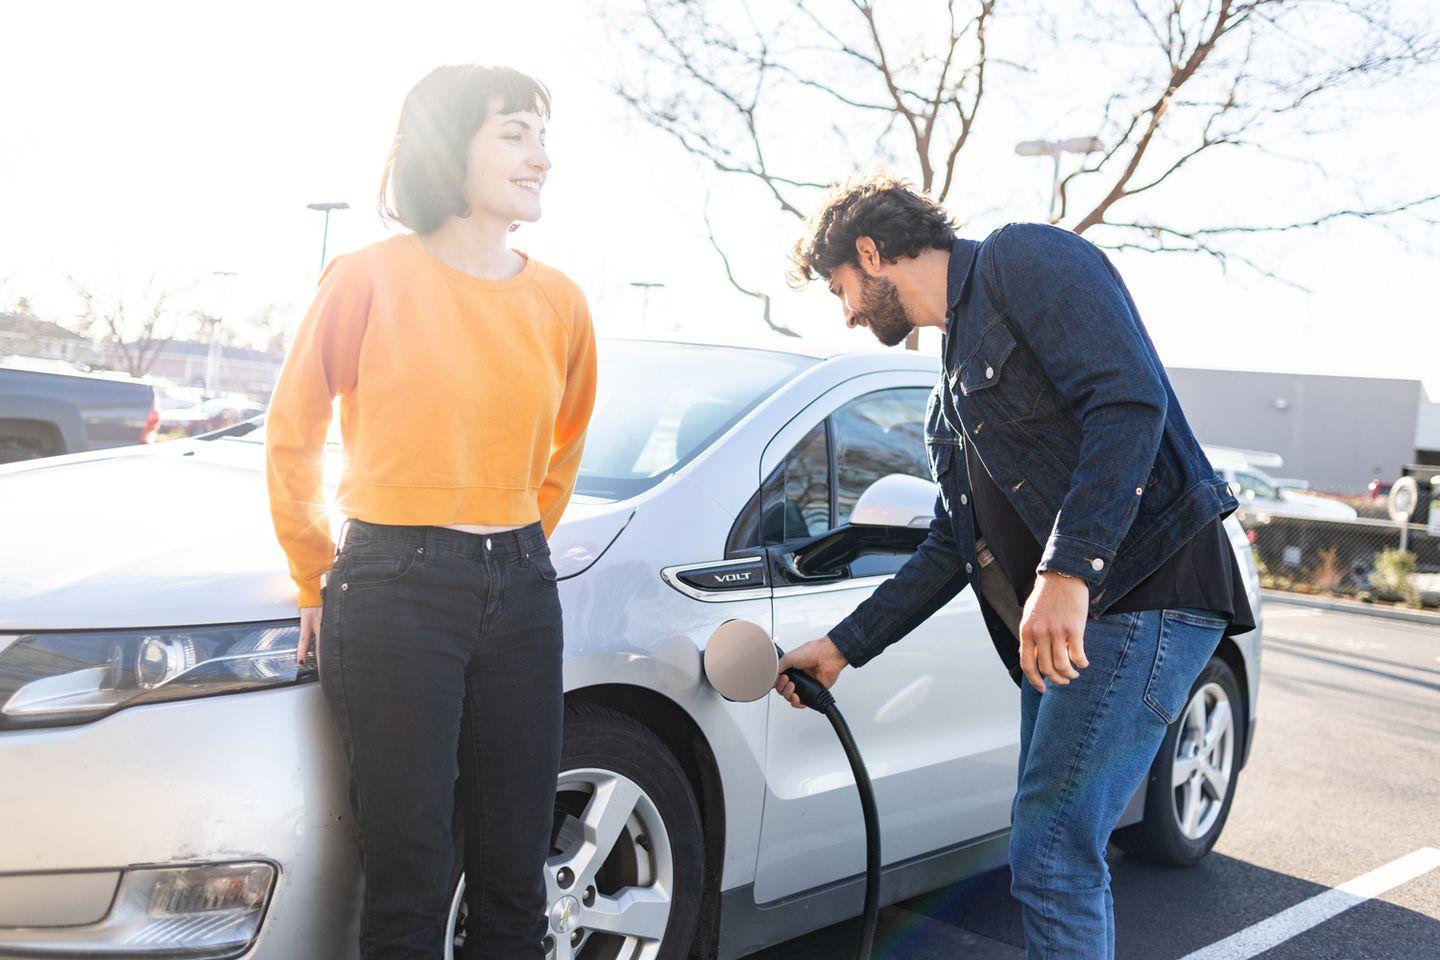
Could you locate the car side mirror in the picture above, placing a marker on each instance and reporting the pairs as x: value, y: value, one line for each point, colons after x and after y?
x: 897, y: 500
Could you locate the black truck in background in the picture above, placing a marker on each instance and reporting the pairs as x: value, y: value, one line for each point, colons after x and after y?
x: 44, y: 413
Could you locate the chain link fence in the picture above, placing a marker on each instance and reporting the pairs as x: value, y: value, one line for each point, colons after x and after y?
x: 1362, y: 559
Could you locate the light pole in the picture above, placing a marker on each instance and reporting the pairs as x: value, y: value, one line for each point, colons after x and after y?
x: 645, y: 289
x: 1053, y: 149
x: 325, y: 236
x: 212, y: 358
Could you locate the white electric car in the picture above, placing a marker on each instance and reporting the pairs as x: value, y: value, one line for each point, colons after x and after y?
x: 171, y: 786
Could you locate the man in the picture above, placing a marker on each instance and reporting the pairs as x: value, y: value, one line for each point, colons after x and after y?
x: 1073, y: 496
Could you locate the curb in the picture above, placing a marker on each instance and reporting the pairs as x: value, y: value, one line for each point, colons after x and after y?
x: 1353, y: 606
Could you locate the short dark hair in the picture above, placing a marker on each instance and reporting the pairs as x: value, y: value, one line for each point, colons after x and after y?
x: 424, y: 177
x: 877, y: 204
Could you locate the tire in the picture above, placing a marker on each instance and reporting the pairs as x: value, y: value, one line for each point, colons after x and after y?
x: 1183, y: 820
x: 28, y: 440
x: 660, y: 848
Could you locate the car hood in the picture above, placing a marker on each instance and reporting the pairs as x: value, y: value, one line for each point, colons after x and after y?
x: 176, y: 534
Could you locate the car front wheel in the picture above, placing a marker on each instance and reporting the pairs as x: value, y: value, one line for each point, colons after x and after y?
x: 624, y: 877
x: 1192, y: 781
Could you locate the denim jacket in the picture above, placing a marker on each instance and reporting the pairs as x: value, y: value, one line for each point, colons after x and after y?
x: 1048, y: 371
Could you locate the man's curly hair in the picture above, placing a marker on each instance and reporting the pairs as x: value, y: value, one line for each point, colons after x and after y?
x: 877, y: 204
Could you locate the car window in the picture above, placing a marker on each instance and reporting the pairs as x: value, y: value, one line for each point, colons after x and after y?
x: 796, y: 497
x: 657, y: 406
x: 873, y: 436
x: 877, y: 435
x: 1250, y: 483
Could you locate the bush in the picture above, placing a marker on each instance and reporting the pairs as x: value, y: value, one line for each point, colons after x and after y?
x: 1394, y: 576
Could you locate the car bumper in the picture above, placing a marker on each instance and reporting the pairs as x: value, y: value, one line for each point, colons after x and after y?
x: 241, y: 777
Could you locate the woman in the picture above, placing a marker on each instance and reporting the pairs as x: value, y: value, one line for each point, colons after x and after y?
x: 466, y: 377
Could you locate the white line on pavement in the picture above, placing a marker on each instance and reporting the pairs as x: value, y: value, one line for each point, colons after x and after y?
x: 1256, y: 939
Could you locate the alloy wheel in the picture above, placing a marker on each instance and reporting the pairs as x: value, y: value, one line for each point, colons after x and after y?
x: 1204, y: 761
x: 609, y: 877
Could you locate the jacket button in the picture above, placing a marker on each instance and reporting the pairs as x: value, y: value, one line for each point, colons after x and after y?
x: 1097, y: 564
x: 989, y: 372
x: 964, y: 499
x: 1139, y: 491
x: 969, y: 569
x: 344, y: 586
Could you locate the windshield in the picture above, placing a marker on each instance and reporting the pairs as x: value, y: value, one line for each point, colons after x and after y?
x: 657, y: 406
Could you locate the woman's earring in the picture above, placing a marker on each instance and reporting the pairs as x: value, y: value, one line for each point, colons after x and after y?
x: 515, y: 226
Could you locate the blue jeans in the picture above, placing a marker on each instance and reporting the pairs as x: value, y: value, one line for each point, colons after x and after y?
x: 441, y: 655
x: 1085, y: 748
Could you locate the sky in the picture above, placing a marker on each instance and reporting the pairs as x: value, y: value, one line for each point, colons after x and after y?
x: 170, y: 141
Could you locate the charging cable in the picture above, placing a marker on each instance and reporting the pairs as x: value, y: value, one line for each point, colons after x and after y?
x: 817, y: 698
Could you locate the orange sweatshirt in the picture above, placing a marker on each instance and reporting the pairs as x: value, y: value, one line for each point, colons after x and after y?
x: 462, y: 400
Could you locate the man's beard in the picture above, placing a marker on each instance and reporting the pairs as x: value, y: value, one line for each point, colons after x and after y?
x: 882, y: 310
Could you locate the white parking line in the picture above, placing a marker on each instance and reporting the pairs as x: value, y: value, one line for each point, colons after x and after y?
x: 1268, y: 933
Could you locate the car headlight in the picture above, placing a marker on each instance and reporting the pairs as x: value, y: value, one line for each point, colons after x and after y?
x: 197, y: 911
x: 50, y: 679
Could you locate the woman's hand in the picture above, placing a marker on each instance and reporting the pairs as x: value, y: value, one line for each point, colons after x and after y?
x: 309, y: 630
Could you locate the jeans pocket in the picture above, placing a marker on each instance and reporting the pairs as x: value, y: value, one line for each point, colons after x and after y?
x: 1187, y: 639
x: 542, y: 564
x: 371, y: 564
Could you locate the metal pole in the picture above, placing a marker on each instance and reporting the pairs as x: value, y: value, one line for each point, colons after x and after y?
x: 212, y: 357
x: 645, y: 301
x: 1055, y: 184
x: 325, y: 231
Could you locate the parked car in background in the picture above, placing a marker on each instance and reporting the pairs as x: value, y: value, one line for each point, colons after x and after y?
x: 215, y: 413
x: 184, y: 792
x: 1262, y: 493
x: 1259, y: 493
x: 48, y: 408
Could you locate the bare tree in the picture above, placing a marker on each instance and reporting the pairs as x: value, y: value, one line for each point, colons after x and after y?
x: 777, y: 94
x: 138, y: 327
x: 1238, y: 76
x: 265, y: 329
x: 730, y: 86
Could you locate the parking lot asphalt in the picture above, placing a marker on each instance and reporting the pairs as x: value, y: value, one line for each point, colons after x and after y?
x: 1343, y: 785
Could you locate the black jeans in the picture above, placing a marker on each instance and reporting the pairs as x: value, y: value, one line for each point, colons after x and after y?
x: 440, y: 656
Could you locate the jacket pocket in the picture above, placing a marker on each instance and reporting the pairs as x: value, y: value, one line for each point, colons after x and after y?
x: 1001, y: 380
x: 982, y: 369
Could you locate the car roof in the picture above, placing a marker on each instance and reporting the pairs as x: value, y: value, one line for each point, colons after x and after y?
x: 815, y: 349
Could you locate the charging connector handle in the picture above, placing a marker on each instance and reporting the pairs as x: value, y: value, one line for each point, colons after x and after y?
x: 810, y: 691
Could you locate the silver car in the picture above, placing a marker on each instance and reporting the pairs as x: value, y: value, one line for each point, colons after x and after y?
x: 173, y: 786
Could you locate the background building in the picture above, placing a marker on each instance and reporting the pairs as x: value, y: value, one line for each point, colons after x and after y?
x: 1337, y: 432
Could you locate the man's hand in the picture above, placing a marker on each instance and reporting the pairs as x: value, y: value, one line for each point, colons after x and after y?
x: 819, y: 658
x: 1052, y: 630
x: 309, y: 630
